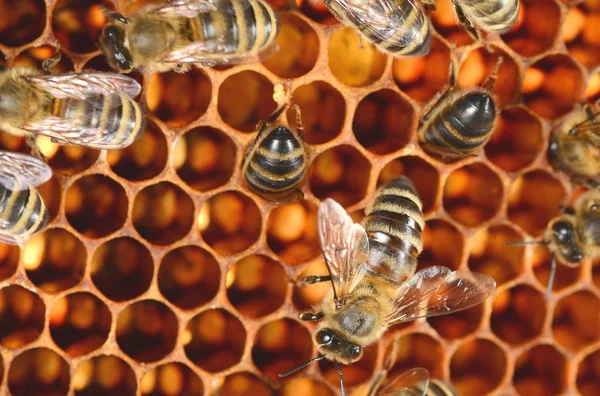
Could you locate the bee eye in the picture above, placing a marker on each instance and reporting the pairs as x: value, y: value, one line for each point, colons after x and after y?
x: 356, y: 350
x: 323, y: 337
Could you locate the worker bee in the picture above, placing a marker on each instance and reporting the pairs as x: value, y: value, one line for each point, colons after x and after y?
x: 397, y: 27
x: 22, y: 209
x: 370, y: 292
x: 493, y: 16
x: 169, y: 36
x: 275, y: 163
x: 458, y: 122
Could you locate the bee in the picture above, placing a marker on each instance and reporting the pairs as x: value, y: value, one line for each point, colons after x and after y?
x: 168, y: 36
x: 458, y: 122
x: 397, y: 27
x: 22, y: 209
x: 493, y: 16
x: 275, y: 163
x: 369, y: 293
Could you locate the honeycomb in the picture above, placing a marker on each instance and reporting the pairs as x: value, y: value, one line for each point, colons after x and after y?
x: 161, y: 274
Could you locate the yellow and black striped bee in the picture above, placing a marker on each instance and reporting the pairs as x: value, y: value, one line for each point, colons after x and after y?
x: 22, y: 209
x: 170, y: 35
x: 372, y: 273
x: 458, y: 122
x: 493, y: 16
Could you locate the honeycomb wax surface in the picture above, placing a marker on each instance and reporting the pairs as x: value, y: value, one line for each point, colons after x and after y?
x: 160, y: 273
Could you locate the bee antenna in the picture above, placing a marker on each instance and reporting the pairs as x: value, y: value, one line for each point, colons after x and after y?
x: 292, y: 371
x: 339, y: 369
x: 551, y: 278
x: 522, y: 243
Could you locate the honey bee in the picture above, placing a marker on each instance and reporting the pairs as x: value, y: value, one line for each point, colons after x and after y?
x: 22, y: 209
x: 371, y: 292
x: 170, y: 35
x: 275, y: 163
x: 458, y: 122
x: 493, y: 16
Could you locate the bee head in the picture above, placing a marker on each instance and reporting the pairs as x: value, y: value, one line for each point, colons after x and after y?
x: 112, y: 44
x: 337, y: 349
x: 563, y: 236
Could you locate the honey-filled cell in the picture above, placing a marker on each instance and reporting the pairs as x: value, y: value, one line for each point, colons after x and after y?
x: 68, y: 160
x: 580, y: 32
x: 459, y: 324
x: 305, y: 387
x: 588, y: 374
x: 171, y: 379
x: 22, y: 22
x: 443, y: 244
x: 22, y: 316
x: 354, y: 374
x: 541, y: 262
x: 575, y: 322
x: 477, y: 367
x: 540, y: 371
x: 417, y: 350
x: 244, y: 383
x: 35, y: 56
x: 39, y: 371
x: 9, y: 260
x: 77, y: 24
x: 104, y: 374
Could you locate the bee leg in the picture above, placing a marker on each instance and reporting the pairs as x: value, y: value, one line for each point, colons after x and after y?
x: 466, y: 22
x: 311, y: 317
x: 444, y: 152
x: 428, y: 110
x: 551, y: 278
x: 117, y: 16
x: 299, y: 125
x: 312, y: 279
x: 31, y: 141
x: 50, y: 63
x: 429, y: 5
x: 491, y: 80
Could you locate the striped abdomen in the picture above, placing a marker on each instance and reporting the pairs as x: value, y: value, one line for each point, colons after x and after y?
x: 22, y: 212
x: 394, y: 223
x: 435, y: 388
x: 492, y: 15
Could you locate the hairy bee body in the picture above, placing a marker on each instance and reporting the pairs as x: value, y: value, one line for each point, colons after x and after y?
x: 491, y: 15
x: 23, y: 212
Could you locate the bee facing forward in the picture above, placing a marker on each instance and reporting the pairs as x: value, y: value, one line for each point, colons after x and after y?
x: 458, y: 122
x: 22, y: 209
x: 167, y: 36
x: 371, y: 292
x: 492, y: 16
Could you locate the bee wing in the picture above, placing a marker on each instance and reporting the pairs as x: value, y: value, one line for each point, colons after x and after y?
x: 217, y: 52
x: 437, y: 291
x: 413, y: 382
x: 187, y: 8
x: 8, y: 239
x: 20, y: 171
x: 345, y: 246
x: 82, y: 85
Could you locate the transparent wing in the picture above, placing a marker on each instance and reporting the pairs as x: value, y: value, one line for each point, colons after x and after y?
x: 218, y: 52
x: 82, y: 85
x: 188, y: 8
x: 20, y: 171
x: 8, y: 239
x: 413, y: 382
x: 345, y: 247
x: 437, y: 291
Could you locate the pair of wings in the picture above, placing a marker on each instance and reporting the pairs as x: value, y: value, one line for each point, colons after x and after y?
x: 430, y: 292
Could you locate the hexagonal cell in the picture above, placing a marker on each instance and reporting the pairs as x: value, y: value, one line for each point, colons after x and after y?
x: 33, y: 57
x: 39, y: 371
x: 305, y: 387
x: 205, y: 158
x: 96, y: 206
x: 383, y: 122
x: 353, y: 63
x: 79, y: 323
x: 245, y: 99
x: 13, y: 142
x: 421, y: 77
x: 588, y: 374
x: 178, y: 98
x: 171, y: 379
x: 22, y: 316
x: 23, y: 21
x: 146, y: 331
x: 103, y: 375
x: 323, y: 111
x: 477, y: 367
x: 518, y: 314
x: 541, y: 262
x: 341, y: 173
x: 230, y: 222
x: 443, y: 244
x: 533, y: 200
x: 77, y: 25
x: 580, y: 32
x: 473, y: 194
x: 305, y: 298
x: 516, y: 141
x: 539, y: 30
x: 292, y: 232
x: 445, y: 22
x: 244, y: 383
x: 68, y: 160
x: 189, y: 277
x: 54, y: 260
x: 163, y: 213
x: 425, y: 177
x: 490, y: 255
x: 256, y: 286
x: 418, y: 350
x: 575, y: 322
x: 459, y: 324
x: 9, y: 260
x: 298, y: 48
x: 280, y: 346
x: 215, y: 340
x: 540, y: 370
x: 553, y: 85
x: 354, y: 374
x: 51, y: 194
x: 143, y: 159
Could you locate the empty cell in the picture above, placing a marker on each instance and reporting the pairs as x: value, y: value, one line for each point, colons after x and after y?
x: 146, y: 331
x: 383, y: 122
x: 245, y: 99
x: 477, y: 367
x: 533, y: 200
x: 540, y: 371
x: 354, y: 62
x: 354, y: 374
x: 163, y: 213
x: 575, y: 322
x: 51, y: 194
x: 473, y: 194
x: 244, y: 383
x: 580, y: 32
x: 96, y: 206
x: 298, y: 48
x: 443, y: 245
x: 22, y: 316
x: 518, y: 314
x: 588, y: 374
x: 280, y: 346
x: 171, y: 379
x: 189, y: 277
x: 33, y: 57
x: 38, y: 371
x: 205, y: 158
x: 541, y: 263
x: 104, y: 375
x: 215, y: 340
x: 305, y: 298
x: 9, y: 260
x: 417, y: 350
x: 292, y: 232
x: 230, y: 222
x: 54, y: 260
x: 517, y: 140
x: 68, y: 160
x: 341, y: 173
x: 305, y: 387
x: 22, y: 21
x: 458, y: 324
x: 77, y: 24
x: 256, y: 286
